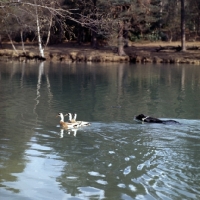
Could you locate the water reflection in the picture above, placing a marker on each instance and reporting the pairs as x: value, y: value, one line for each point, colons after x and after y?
x: 69, y: 131
x: 40, y: 72
x: 115, y: 153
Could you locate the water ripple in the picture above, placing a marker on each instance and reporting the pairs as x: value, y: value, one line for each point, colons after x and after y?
x: 127, y: 170
x: 96, y: 174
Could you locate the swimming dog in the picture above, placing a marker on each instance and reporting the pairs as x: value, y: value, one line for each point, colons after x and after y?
x: 148, y: 119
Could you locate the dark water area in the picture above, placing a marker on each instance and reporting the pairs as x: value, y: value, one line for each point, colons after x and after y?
x: 114, y: 158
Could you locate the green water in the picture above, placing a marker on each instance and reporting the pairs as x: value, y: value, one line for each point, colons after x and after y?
x: 114, y: 158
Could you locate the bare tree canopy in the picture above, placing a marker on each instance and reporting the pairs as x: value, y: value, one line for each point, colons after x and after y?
x: 115, y: 21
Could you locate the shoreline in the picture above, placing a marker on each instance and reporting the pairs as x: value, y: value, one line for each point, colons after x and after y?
x: 158, y: 52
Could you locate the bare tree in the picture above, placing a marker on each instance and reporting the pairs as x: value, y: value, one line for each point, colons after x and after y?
x: 183, y: 45
x: 44, y: 15
x: 41, y: 49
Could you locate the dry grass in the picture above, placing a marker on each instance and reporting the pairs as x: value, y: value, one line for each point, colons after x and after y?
x: 161, y: 43
x: 139, y: 51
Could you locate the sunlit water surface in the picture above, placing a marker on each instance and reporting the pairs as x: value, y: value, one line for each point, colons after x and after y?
x: 114, y: 158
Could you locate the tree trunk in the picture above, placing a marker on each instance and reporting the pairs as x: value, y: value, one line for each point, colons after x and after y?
x: 94, y: 39
x: 93, y: 30
x: 22, y: 40
x: 81, y: 35
x: 121, y: 40
x: 49, y: 31
x: 41, y: 50
x: 11, y: 41
x: 183, y: 45
x: 125, y: 34
x: 1, y: 46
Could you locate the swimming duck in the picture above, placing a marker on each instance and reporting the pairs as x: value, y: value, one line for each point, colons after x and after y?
x: 71, y: 120
x: 67, y: 125
x: 149, y: 119
x: 81, y: 123
x: 75, y: 116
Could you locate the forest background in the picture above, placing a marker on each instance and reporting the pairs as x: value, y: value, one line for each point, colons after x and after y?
x: 113, y: 23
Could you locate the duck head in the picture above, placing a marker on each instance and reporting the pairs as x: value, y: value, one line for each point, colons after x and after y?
x: 70, y: 115
x: 61, y: 116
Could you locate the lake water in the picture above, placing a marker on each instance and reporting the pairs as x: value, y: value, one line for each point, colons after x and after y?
x: 114, y: 158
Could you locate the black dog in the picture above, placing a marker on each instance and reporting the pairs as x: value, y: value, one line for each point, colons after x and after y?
x: 148, y: 119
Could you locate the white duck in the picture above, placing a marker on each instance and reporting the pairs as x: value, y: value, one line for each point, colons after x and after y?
x: 81, y: 123
x: 67, y: 125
